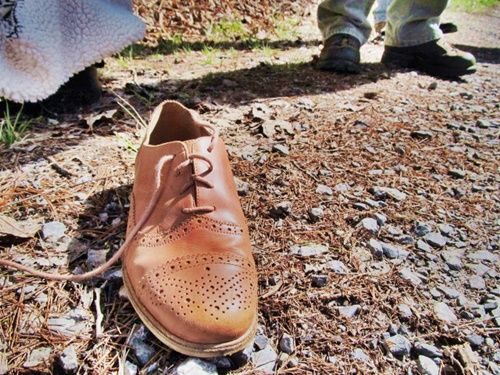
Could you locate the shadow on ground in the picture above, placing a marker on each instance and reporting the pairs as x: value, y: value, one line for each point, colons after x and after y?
x: 482, y: 54
x: 231, y: 88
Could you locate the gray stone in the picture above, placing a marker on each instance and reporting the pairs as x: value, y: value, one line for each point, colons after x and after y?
x: 423, y: 246
x: 404, y: 311
x: 412, y: 277
x: 53, y: 231
x: 281, y: 210
x: 444, y: 313
x: 265, y: 360
x: 130, y: 368
x: 96, y: 258
x: 370, y: 225
x: 449, y: 292
x: 483, y: 124
x: 361, y: 206
x: 393, y: 252
x: 37, y: 357
x: 348, y: 311
x: 452, y: 261
x: 476, y: 282
x: 323, y: 189
x: 76, y: 322
x: 360, y: 355
x: 435, y: 293
x: 446, y: 229
x: 436, y: 239
x: 405, y: 239
x: 399, y: 346
x: 69, y: 360
x: 195, y: 366
x: 342, y: 188
x: 381, y: 192
x: 243, y: 357
x: 316, y: 214
x: 260, y: 342
x: 427, y: 366
x: 242, y: 187
x: 222, y: 363
x: 381, y: 219
x: 475, y: 340
x: 281, y: 149
x: 393, y: 231
x: 484, y: 255
x: 427, y: 350
x: 319, y: 281
x: 143, y: 352
x: 421, y: 134
x: 310, y: 250
x: 287, y: 344
x: 457, y: 173
x: 337, y: 266
x: 421, y: 229
x: 376, y: 248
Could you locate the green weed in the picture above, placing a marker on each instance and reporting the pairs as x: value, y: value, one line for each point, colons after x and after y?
x: 227, y: 30
x: 473, y: 5
x: 286, y: 28
x: 12, y: 128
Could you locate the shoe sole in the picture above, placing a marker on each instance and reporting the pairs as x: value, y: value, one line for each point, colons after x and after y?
x: 183, y: 346
x: 340, y: 66
x: 399, y: 60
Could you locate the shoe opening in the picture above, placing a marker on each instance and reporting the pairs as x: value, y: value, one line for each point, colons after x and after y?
x: 174, y: 122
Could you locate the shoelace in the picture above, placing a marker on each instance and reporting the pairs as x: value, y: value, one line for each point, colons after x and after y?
x: 196, y: 178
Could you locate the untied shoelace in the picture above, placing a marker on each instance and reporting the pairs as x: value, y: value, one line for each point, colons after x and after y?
x: 195, y: 178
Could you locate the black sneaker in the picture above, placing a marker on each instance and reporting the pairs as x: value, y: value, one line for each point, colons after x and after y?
x: 340, y: 54
x: 436, y: 58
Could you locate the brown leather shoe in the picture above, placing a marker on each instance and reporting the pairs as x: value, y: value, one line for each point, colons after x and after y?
x: 189, y: 272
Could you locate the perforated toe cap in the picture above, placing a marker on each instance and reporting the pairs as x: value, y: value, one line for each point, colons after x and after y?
x: 206, y: 298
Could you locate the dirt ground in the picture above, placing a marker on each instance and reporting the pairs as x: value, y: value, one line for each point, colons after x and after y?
x: 412, y: 152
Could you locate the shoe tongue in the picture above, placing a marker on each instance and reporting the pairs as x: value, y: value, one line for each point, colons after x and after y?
x: 197, y: 146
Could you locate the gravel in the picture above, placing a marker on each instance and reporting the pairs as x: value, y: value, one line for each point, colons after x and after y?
x: 348, y: 311
x: 477, y: 282
x: 308, y: 250
x: 37, y: 357
x: 436, y: 239
x: 287, y: 344
x: 337, y: 266
x: 398, y: 345
x: 316, y: 214
x: 69, y: 360
x: 195, y: 366
x: 452, y: 261
x: 319, y: 281
x: 476, y: 341
x: 265, y: 360
x: 393, y: 252
x: 427, y: 366
x: 53, y: 231
x: 404, y: 311
x: 444, y: 313
x: 370, y: 225
x: 323, y: 189
x: 427, y: 350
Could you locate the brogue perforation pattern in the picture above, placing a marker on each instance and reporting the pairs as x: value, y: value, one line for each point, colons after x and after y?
x: 209, y: 293
x: 162, y: 237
